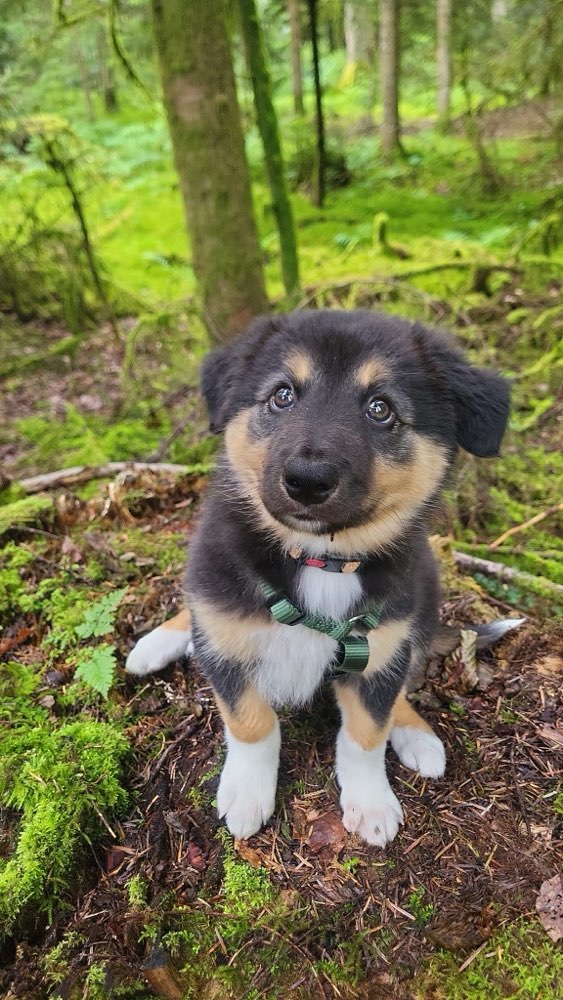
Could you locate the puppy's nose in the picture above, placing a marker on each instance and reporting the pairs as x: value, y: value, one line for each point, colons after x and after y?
x: 309, y: 480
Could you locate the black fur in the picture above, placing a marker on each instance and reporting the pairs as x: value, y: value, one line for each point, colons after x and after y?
x: 439, y: 398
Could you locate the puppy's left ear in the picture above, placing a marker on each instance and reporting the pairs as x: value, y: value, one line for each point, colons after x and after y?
x: 480, y: 397
x: 481, y: 401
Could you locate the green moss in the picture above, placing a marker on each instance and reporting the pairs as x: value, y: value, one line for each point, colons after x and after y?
x: 519, y: 962
x: 60, y: 778
x: 30, y: 510
x: 421, y: 911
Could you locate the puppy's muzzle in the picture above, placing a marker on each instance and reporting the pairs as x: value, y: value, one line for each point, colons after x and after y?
x: 309, y: 480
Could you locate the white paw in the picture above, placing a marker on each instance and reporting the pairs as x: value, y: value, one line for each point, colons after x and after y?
x: 246, y: 796
x: 420, y: 750
x: 375, y: 815
x: 369, y: 805
x: 157, y: 649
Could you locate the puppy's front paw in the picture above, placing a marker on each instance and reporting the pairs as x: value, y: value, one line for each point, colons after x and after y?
x: 244, y: 806
x: 246, y: 796
x: 157, y: 649
x: 369, y: 805
x: 373, y: 813
x: 420, y: 750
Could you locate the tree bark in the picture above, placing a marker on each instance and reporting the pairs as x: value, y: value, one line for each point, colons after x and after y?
x: 203, y: 115
x: 297, y: 75
x: 359, y: 32
x: 106, y: 73
x: 320, y: 164
x: 443, y: 59
x: 268, y: 128
x: 389, y: 72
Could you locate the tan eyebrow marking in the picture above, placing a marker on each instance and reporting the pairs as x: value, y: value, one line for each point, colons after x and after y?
x: 370, y: 371
x: 300, y: 365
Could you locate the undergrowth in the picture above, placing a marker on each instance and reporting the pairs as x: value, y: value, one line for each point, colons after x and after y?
x: 61, y: 779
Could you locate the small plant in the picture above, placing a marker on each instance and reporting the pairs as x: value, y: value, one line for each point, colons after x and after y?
x: 422, y: 912
x: 137, y: 892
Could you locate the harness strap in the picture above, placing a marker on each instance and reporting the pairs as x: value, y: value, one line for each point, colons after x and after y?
x: 352, y: 654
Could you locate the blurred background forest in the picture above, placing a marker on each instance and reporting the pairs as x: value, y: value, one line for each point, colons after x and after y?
x: 375, y: 154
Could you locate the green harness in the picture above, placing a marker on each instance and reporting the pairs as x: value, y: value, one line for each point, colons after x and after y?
x: 353, y: 650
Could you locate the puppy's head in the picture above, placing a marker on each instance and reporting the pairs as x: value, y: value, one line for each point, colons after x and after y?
x: 342, y: 425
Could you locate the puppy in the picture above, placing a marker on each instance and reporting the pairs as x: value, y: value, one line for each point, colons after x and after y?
x: 311, y: 561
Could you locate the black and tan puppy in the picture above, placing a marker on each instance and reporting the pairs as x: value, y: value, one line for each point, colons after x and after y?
x: 311, y: 559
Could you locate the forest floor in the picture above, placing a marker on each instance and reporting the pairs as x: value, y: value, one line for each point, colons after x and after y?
x: 303, y: 909
x: 144, y: 894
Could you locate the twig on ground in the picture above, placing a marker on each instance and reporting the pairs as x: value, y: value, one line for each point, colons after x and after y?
x: 85, y: 473
x: 526, y: 524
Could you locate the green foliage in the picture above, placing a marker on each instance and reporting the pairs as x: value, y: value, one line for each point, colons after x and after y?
x: 99, y: 618
x: 519, y: 962
x: 96, y: 667
x: 27, y: 511
x: 59, y: 778
x: 422, y: 912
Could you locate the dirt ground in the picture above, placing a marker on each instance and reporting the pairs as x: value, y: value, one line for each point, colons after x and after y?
x: 475, y: 847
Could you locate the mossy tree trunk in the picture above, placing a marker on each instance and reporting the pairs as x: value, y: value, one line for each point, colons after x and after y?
x: 268, y: 127
x: 296, y: 73
x: 443, y: 60
x: 203, y: 115
x: 389, y: 72
x: 320, y: 158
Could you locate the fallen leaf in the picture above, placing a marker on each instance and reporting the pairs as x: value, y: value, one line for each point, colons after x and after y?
x: 327, y: 831
x: 195, y: 856
x: 11, y: 641
x: 549, y: 666
x: 549, y: 905
x: 254, y: 857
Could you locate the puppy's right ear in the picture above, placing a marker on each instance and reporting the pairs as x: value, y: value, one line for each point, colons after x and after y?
x: 216, y: 382
x: 223, y: 383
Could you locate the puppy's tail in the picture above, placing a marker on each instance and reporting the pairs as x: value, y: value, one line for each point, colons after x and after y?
x: 448, y: 637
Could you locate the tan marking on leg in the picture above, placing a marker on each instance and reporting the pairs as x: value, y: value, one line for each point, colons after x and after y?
x: 405, y: 715
x: 357, y: 721
x: 300, y: 365
x: 369, y: 372
x: 230, y: 635
x: 182, y: 622
x: 251, y: 720
x: 384, y: 642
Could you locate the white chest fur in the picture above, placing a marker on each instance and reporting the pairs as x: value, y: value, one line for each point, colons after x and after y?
x: 293, y: 658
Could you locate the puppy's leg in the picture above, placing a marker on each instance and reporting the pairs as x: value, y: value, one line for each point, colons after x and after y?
x: 369, y: 805
x: 414, y: 742
x: 247, y: 789
x: 169, y: 642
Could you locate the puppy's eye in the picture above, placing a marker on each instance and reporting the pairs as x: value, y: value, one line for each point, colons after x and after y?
x: 381, y: 412
x: 282, y: 398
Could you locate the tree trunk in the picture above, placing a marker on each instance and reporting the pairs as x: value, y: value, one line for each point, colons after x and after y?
x: 201, y: 104
x: 320, y: 160
x: 359, y: 32
x: 106, y: 74
x: 293, y: 7
x: 389, y: 72
x: 268, y: 128
x: 85, y: 82
x: 443, y: 59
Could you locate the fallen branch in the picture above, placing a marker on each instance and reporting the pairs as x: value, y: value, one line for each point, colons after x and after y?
x: 481, y: 273
x: 526, y: 524
x: 505, y: 573
x: 85, y: 473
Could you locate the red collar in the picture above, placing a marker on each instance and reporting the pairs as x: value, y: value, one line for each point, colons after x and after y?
x: 333, y: 564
